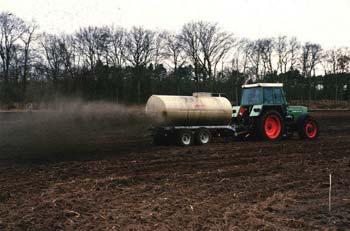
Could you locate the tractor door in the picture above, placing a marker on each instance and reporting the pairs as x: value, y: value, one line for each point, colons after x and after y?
x: 274, y: 99
x: 280, y: 99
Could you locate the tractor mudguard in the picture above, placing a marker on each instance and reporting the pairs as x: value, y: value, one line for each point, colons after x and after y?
x: 297, y: 111
x: 300, y: 120
x: 256, y: 110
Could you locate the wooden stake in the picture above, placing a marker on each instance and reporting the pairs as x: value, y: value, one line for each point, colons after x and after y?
x: 330, y: 193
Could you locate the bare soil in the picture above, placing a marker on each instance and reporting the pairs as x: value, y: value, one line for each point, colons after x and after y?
x: 126, y: 183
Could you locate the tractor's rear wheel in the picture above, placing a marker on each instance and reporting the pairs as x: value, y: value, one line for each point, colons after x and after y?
x: 203, y: 136
x: 185, y: 138
x: 271, y: 126
x: 308, y: 128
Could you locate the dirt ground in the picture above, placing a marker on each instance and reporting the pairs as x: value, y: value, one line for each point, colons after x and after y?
x: 128, y: 184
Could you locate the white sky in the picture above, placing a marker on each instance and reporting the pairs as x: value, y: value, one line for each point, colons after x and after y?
x: 324, y: 21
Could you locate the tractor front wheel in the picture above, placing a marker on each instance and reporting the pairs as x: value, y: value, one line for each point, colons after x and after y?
x: 308, y: 128
x: 271, y: 126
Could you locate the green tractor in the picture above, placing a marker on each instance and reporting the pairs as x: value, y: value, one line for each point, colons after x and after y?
x: 264, y: 112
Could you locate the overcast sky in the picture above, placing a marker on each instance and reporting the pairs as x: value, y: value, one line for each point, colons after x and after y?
x: 324, y: 21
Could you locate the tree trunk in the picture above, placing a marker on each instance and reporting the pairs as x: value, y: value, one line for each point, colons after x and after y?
x: 138, y: 91
x: 309, y: 89
x: 24, y: 78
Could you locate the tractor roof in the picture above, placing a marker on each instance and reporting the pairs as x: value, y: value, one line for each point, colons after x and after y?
x: 262, y: 85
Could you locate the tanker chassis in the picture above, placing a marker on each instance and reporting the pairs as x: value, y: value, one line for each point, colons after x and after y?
x: 263, y: 112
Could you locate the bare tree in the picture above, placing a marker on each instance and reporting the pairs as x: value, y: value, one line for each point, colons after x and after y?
x: 330, y: 61
x: 344, y: 63
x: 206, y: 44
x: 294, y: 52
x: 335, y: 61
x: 254, y: 50
x: 139, y: 51
x: 266, y: 47
x: 86, y: 42
x: 12, y: 29
x: 52, y: 49
x: 69, y: 54
x: 159, y: 47
x: 240, y: 56
x: 192, y: 47
x: 103, y: 40
x: 16, y: 63
x: 139, y: 46
x: 174, y: 50
x: 117, y: 46
x: 215, y: 44
x: 281, y: 48
x: 311, y: 56
x: 27, y: 40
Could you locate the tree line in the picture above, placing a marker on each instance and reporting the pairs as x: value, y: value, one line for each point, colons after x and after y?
x: 128, y: 65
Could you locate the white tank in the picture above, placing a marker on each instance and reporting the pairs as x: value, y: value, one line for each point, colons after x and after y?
x: 200, y: 109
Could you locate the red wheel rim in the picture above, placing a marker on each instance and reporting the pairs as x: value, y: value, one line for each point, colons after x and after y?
x: 272, y: 126
x: 310, y: 129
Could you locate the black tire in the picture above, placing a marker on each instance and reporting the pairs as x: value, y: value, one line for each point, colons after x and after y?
x: 185, y: 138
x: 308, y: 128
x: 264, y: 130
x: 203, y: 136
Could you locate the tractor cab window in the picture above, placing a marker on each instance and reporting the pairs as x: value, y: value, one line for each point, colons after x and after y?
x: 279, y: 97
x: 268, y: 95
x: 273, y: 96
x: 251, y: 96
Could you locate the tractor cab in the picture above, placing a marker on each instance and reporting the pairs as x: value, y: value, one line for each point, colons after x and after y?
x: 263, y: 94
x: 258, y: 97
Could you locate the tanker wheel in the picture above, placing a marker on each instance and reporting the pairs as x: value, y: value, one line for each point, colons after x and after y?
x: 203, y: 136
x: 271, y: 126
x: 185, y: 138
x: 308, y: 128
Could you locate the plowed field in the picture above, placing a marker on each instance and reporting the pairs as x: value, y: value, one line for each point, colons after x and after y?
x: 126, y: 183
